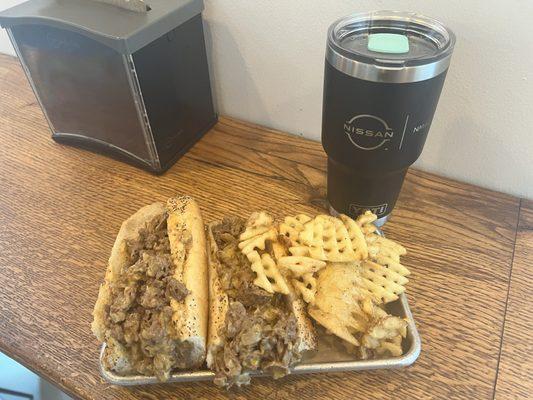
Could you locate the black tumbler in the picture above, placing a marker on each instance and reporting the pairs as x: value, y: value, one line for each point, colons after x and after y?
x: 383, y: 77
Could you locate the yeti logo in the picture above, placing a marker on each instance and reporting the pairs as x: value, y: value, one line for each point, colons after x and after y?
x: 379, y: 210
x: 368, y: 132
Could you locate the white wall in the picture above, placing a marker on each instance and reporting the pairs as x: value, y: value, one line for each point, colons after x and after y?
x: 5, y: 45
x: 268, y: 59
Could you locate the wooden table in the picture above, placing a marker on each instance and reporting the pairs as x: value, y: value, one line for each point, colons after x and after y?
x: 470, y: 253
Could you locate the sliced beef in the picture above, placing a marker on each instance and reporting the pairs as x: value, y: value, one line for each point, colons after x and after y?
x: 251, y: 295
x: 229, y: 230
x: 263, y: 339
x: 140, y: 315
x: 176, y: 290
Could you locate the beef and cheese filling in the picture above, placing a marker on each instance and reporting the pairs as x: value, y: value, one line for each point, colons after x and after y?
x: 260, y: 332
x: 139, y: 317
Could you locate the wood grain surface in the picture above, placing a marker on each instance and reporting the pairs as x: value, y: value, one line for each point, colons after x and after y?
x: 515, y: 376
x: 60, y: 209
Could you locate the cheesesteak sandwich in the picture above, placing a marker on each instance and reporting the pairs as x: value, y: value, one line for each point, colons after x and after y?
x: 152, y: 309
x: 257, y: 322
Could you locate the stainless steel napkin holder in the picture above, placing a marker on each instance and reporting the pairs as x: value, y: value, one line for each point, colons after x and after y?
x: 133, y: 85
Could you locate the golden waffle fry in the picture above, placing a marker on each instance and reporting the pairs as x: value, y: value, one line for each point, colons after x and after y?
x: 292, y: 226
x: 299, y: 266
x: 260, y: 230
x: 393, y: 266
x: 392, y: 346
x: 268, y: 276
x: 365, y: 222
x: 300, y: 251
x: 356, y: 236
x: 327, y: 239
x: 279, y: 251
x: 380, y: 246
x: 384, y: 283
x: 333, y: 324
x: 306, y: 286
x: 258, y: 241
x: 352, y: 315
x: 383, y: 335
x: 336, y: 300
x: 257, y: 224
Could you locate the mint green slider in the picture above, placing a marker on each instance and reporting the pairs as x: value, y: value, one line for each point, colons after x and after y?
x: 391, y: 43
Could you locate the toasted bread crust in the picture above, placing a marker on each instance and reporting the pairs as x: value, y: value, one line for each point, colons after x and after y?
x: 306, y: 331
x: 189, y: 253
x: 218, y: 300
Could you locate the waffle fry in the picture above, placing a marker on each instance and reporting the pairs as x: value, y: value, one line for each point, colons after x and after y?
x: 292, y: 226
x: 380, y: 246
x: 327, y: 239
x: 306, y: 286
x: 259, y: 241
x: 383, y: 282
x: 260, y: 230
x: 383, y: 335
x: 302, y: 270
x: 393, y: 265
x: 298, y: 266
x: 343, y: 239
x: 268, y: 276
x: 365, y: 222
x: 279, y: 251
x: 356, y: 236
x: 257, y: 224
x: 352, y: 315
x: 300, y: 251
x: 392, y: 346
x: 336, y: 312
x: 333, y: 324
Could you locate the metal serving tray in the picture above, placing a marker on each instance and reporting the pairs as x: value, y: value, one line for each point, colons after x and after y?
x: 330, y: 357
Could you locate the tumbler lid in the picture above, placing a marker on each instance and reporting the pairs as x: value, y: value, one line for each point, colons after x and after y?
x: 390, y: 46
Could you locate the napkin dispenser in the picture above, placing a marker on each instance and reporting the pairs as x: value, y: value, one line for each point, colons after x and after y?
x: 133, y: 85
